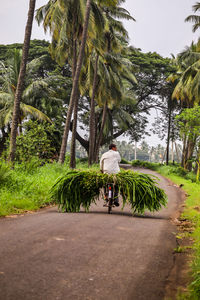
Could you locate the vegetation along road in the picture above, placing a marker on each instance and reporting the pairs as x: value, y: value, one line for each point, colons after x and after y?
x: 51, y: 255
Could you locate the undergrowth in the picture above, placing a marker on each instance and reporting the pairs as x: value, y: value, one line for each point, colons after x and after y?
x: 192, y: 214
x: 145, y: 164
x: 27, y: 186
x: 166, y: 170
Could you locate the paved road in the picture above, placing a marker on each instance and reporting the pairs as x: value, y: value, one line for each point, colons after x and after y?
x: 49, y: 255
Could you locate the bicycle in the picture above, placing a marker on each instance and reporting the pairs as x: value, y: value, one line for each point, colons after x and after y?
x: 109, y: 195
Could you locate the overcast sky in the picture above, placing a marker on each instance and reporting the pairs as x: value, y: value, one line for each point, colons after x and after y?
x: 159, y: 25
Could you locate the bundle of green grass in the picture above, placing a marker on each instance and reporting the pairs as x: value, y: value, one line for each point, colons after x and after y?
x: 78, y: 189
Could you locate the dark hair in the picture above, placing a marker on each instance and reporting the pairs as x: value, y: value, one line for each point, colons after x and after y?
x: 112, y: 146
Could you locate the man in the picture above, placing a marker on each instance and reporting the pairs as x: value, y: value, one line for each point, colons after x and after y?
x: 109, y: 163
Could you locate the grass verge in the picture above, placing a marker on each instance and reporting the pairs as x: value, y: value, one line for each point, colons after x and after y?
x: 191, y: 213
x: 26, y: 188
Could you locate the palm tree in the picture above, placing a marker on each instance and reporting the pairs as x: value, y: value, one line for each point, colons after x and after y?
x: 76, y: 68
x: 34, y: 90
x: 9, y: 78
x: 186, y: 79
x: 68, y: 35
x: 194, y: 18
x: 65, y: 37
x: 19, y: 89
x: 187, y: 90
x: 111, y: 41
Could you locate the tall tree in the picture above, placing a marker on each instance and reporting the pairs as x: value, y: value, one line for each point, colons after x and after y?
x: 20, y: 83
x: 91, y: 157
x: 69, y: 35
x: 74, y: 93
x: 187, y: 89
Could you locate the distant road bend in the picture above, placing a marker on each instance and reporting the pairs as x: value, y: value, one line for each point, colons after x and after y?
x: 88, y: 256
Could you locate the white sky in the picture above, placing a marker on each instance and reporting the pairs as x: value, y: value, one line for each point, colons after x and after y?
x: 159, y: 25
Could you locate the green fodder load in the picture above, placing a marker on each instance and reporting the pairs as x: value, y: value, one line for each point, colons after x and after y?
x: 82, y: 188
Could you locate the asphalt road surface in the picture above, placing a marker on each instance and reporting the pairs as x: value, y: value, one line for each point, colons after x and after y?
x: 49, y: 255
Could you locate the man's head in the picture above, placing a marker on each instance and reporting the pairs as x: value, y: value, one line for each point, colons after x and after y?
x: 113, y: 147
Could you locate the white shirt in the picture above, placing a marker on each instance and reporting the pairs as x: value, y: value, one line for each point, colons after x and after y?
x: 109, y: 162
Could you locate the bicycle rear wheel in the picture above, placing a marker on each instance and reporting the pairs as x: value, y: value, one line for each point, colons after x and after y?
x: 110, y: 204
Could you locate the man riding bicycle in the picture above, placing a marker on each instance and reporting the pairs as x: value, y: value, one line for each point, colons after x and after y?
x: 109, y: 163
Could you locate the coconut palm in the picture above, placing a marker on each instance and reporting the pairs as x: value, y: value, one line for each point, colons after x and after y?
x: 67, y: 35
x: 34, y: 90
x: 111, y: 88
x: 9, y: 78
x: 187, y: 77
x: 60, y: 30
x: 194, y: 18
x: 187, y: 89
x: 112, y: 40
x: 19, y: 89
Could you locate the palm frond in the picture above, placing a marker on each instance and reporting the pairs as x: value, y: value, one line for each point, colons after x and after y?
x: 34, y: 112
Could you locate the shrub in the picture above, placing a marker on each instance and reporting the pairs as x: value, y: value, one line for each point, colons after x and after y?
x: 36, y: 141
x: 191, y: 176
x: 145, y: 164
x: 5, y: 173
x: 124, y: 161
x: 178, y: 171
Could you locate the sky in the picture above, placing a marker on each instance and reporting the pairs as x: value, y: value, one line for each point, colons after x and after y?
x: 159, y: 26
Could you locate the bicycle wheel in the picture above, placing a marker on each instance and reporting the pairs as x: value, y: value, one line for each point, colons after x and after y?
x: 110, y: 203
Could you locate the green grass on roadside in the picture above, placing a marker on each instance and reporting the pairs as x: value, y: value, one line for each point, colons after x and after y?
x: 192, y: 214
x: 27, y: 188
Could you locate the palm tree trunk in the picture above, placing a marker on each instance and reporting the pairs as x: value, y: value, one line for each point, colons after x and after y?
x: 190, y: 151
x: 173, y: 152
x: 20, y: 83
x: 184, y: 154
x: 168, y: 132
x: 135, y: 157
x: 73, y: 140
x: 74, y: 93
x: 74, y: 126
x: 92, y: 118
x: 3, y: 140
x: 101, y: 133
x: 74, y: 58
x: 177, y: 153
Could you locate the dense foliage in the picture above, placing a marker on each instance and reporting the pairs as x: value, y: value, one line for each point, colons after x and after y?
x: 29, y: 146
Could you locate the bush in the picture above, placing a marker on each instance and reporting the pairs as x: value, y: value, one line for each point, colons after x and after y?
x: 124, y: 161
x: 83, y: 159
x: 5, y: 173
x: 145, y: 164
x: 178, y: 170
x: 191, y: 176
x: 30, y: 166
x: 36, y: 141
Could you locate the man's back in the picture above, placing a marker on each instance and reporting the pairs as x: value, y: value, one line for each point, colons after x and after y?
x: 109, y: 162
